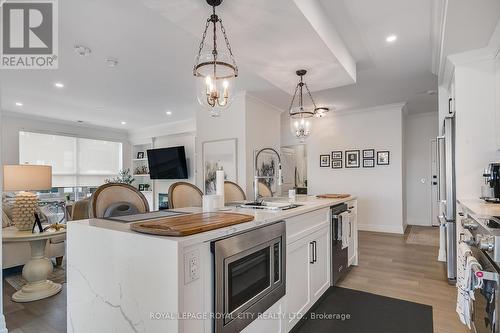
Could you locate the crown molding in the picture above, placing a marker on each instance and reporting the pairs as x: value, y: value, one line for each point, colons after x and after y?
x: 378, y: 108
x: 272, y: 106
x: 490, y: 52
x: 139, y: 135
x: 439, y: 10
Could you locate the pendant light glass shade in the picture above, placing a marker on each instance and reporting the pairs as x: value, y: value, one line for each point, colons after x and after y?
x: 215, y: 89
x: 215, y: 71
x: 300, y: 115
x: 301, y: 127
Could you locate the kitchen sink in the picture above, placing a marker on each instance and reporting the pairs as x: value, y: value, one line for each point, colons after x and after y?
x: 267, y: 205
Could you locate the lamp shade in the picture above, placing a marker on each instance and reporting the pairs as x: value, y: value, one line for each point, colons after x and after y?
x: 27, y: 177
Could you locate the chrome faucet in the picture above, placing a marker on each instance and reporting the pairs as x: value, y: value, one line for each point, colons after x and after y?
x: 257, y: 177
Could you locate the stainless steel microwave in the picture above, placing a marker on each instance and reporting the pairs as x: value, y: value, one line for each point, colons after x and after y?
x: 249, y: 275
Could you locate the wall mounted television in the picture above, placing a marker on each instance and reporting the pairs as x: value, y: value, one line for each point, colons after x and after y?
x: 168, y: 163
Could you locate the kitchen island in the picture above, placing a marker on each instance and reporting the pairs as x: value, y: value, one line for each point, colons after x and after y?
x: 123, y: 281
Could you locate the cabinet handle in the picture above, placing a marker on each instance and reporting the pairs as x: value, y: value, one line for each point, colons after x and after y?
x: 311, y: 261
x: 350, y: 229
x: 315, y: 247
x: 449, y: 105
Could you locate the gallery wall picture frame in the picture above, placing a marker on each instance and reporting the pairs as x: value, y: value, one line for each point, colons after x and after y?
x: 369, y: 163
x: 369, y: 153
x: 352, y: 158
x: 337, y: 155
x: 336, y: 164
x: 383, y: 157
x: 140, y: 155
x: 219, y: 154
x: 324, y: 161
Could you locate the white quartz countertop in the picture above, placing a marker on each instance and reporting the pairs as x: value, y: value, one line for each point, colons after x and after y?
x: 481, y: 207
x: 261, y: 217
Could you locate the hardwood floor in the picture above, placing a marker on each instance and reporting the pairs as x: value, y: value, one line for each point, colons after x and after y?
x: 44, y: 316
x: 390, y: 267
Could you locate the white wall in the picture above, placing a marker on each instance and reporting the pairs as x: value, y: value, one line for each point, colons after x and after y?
x: 380, y: 189
x: 188, y: 140
x: 420, y: 129
x: 13, y: 123
x: 229, y: 125
x: 476, y: 132
x: 255, y: 124
x: 262, y: 131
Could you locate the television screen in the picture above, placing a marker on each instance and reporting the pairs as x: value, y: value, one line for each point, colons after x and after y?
x: 167, y: 163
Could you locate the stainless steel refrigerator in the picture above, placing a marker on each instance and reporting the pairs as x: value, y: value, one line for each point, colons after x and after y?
x: 447, y: 193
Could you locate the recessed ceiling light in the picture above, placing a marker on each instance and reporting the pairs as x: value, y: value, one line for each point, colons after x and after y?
x: 59, y: 85
x: 112, y: 62
x: 169, y: 113
x: 124, y: 123
x: 19, y: 104
x: 82, y: 51
x: 391, y: 38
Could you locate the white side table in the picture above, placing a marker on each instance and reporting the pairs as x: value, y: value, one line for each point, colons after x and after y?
x: 38, y: 268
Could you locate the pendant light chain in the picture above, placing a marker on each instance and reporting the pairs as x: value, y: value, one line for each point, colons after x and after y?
x: 310, y: 96
x: 293, y: 99
x: 202, y: 44
x: 228, y: 46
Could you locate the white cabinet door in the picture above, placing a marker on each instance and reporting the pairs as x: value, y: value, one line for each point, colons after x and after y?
x: 298, y: 293
x: 352, y: 251
x: 320, y: 269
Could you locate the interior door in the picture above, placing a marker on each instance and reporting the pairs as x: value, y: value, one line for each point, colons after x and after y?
x: 299, y: 257
x: 434, y: 184
x: 320, y: 272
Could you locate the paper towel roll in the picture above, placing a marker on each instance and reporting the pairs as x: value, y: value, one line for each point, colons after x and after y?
x: 219, y: 185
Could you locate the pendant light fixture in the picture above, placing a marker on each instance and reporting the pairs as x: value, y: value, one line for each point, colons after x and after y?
x: 215, y: 71
x: 300, y: 115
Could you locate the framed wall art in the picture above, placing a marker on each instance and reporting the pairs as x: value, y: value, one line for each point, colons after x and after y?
x: 324, y: 161
x: 383, y: 157
x: 352, y: 159
x: 217, y: 154
x: 337, y: 164
x: 369, y: 153
x: 336, y: 155
x: 369, y: 163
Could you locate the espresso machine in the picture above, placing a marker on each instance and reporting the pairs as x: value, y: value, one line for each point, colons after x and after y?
x: 490, y: 192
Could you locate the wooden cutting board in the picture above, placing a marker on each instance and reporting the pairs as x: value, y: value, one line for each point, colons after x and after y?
x: 190, y: 224
x: 333, y: 196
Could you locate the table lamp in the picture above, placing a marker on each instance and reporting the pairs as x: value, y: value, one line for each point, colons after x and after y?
x: 24, y: 178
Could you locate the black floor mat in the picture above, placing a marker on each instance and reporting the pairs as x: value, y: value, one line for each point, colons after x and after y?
x: 367, y: 313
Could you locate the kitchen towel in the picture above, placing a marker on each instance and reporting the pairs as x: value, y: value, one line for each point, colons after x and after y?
x: 344, y: 226
x: 219, y: 185
x: 467, y: 282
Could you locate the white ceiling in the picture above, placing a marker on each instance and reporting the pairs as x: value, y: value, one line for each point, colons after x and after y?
x: 156, y: 41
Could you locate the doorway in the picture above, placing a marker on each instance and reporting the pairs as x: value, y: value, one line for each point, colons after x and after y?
x: 294, y: 164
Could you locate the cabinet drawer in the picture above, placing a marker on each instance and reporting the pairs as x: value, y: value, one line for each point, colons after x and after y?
x: 352, y: 205
x: 302, y: 225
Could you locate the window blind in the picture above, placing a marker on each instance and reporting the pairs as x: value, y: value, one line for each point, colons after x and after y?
x: 75, y: 161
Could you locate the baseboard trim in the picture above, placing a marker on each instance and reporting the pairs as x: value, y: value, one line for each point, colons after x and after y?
x: 391, y: 229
